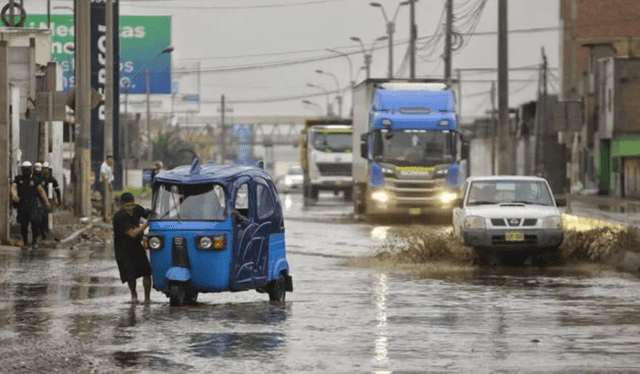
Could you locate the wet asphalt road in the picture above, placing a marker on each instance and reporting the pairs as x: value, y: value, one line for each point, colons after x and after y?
x: 339, y: 319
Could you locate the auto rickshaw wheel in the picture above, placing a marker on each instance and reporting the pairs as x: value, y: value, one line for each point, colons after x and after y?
x: 191, y: 297
x: 277, y: 291
x: 176, y: 294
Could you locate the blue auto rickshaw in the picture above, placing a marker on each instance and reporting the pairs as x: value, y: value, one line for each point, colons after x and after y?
x: 217, y: 228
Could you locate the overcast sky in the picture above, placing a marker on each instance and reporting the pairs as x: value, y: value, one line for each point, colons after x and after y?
x: 262, y: 54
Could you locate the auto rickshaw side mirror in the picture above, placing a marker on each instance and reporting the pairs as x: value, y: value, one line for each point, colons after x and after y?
x: 561, y: 202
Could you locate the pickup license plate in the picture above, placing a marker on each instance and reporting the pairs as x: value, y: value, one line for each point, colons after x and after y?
x: 415, y: 211
x: 514, y: 236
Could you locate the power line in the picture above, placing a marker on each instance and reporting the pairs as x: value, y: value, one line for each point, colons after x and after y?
x: 136, y: 3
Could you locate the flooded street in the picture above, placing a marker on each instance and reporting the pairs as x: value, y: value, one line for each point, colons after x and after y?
x: 65, y: 310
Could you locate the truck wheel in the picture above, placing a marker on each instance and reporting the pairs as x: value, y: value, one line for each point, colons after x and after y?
x: 277, y: 291
x: 360, y: 200
x: 348, y: 194
x: 176, y: 294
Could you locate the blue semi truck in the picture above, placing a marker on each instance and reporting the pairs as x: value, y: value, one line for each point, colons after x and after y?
x: 410, y: 158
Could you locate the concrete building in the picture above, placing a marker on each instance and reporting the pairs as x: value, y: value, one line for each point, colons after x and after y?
x: 600, y: 43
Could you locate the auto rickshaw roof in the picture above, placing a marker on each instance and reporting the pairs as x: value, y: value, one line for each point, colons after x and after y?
x: 208, y: 173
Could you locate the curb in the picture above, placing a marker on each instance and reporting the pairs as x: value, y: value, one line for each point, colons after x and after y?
x: 80, y: 231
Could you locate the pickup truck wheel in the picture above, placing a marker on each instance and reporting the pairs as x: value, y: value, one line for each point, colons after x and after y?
x: 483, y: 257
x: 277, y: 291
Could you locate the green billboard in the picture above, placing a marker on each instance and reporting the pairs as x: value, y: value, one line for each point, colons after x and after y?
x: 142, y: 39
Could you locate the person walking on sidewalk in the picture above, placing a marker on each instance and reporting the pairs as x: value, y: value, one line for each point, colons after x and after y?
x: 106, y: 186
x: 52, y: 189
x: 28, y: 194
x: 129, y: 223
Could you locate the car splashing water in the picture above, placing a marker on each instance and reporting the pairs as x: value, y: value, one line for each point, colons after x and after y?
x: 587, y: 240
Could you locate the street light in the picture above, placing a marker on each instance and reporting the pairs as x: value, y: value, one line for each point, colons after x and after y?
x: 169, y: 49
x: 367, y: 56
x: 338, y: 96
x: 353, y: 83
x: 329, y: 109
x: 391, y: 28
x: 307, y: 102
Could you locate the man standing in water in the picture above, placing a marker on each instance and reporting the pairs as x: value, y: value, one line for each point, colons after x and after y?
x: 127, y: 243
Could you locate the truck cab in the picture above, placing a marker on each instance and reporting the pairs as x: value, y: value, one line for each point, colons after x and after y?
x: 410, y: 150
x: 327, y: 157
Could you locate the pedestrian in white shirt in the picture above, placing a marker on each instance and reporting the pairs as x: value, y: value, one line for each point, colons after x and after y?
x: 106, y: 184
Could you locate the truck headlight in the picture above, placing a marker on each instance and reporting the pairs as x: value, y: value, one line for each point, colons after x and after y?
x: 380, y: 196
x: 447, y: 197
x: 387, y: 171
x: 474, y: 223
x: 442, y: 172
x: 443, y: 123
x: 553, y: 222
x: 386, y: 122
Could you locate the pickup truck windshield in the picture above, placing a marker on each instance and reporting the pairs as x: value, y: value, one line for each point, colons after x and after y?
x: 501, y: 192
x: 198, y: 202
x: 332, y: 140
x: 416, y: 147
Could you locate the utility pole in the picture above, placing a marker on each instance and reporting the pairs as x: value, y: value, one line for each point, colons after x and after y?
x: 541, y: 130
x: 82, y: 157
x: 222, y: 131
x: 503, y: 90
x: 494, y: 132
x: 108, y: 103
x: 5, y: 125
x: 447, y: 42
x: 413, y: 31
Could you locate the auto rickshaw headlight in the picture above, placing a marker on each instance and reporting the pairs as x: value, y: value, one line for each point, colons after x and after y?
x: 215, y: 242
x: 154, y: 242
x: 205, y: 242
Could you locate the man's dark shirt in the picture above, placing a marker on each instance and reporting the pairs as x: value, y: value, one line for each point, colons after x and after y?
x: 122, y: 222
x: 130, y: 254
x: 27, y: 188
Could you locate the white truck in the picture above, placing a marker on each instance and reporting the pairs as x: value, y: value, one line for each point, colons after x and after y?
x: 326, y: 156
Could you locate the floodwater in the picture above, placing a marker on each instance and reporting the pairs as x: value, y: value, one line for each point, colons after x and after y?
x: 339, y: 319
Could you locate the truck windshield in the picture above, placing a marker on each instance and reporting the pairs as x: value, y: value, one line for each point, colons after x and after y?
x: 191, y: 202
x: 332, y: 141
x: 416, y: 147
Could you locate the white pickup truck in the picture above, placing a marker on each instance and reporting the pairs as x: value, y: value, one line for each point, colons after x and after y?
x: 508, y: 219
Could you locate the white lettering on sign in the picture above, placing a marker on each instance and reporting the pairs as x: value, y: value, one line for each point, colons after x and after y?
x: 102, y: 73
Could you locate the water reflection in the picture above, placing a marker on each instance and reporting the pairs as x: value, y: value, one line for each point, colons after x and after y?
x: 380, y: 298
x: 288, y: 202
x: 236, y: 345
x: 379, y: 232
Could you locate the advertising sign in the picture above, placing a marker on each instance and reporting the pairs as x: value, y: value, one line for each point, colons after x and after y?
x: 99, y: 82
x: 142, y: 39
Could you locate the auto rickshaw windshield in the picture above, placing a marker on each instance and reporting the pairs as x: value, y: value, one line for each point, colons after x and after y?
x: 189, y: 202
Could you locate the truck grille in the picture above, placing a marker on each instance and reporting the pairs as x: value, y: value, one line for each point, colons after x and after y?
x: 513, y: 221
x: 335, y: 169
